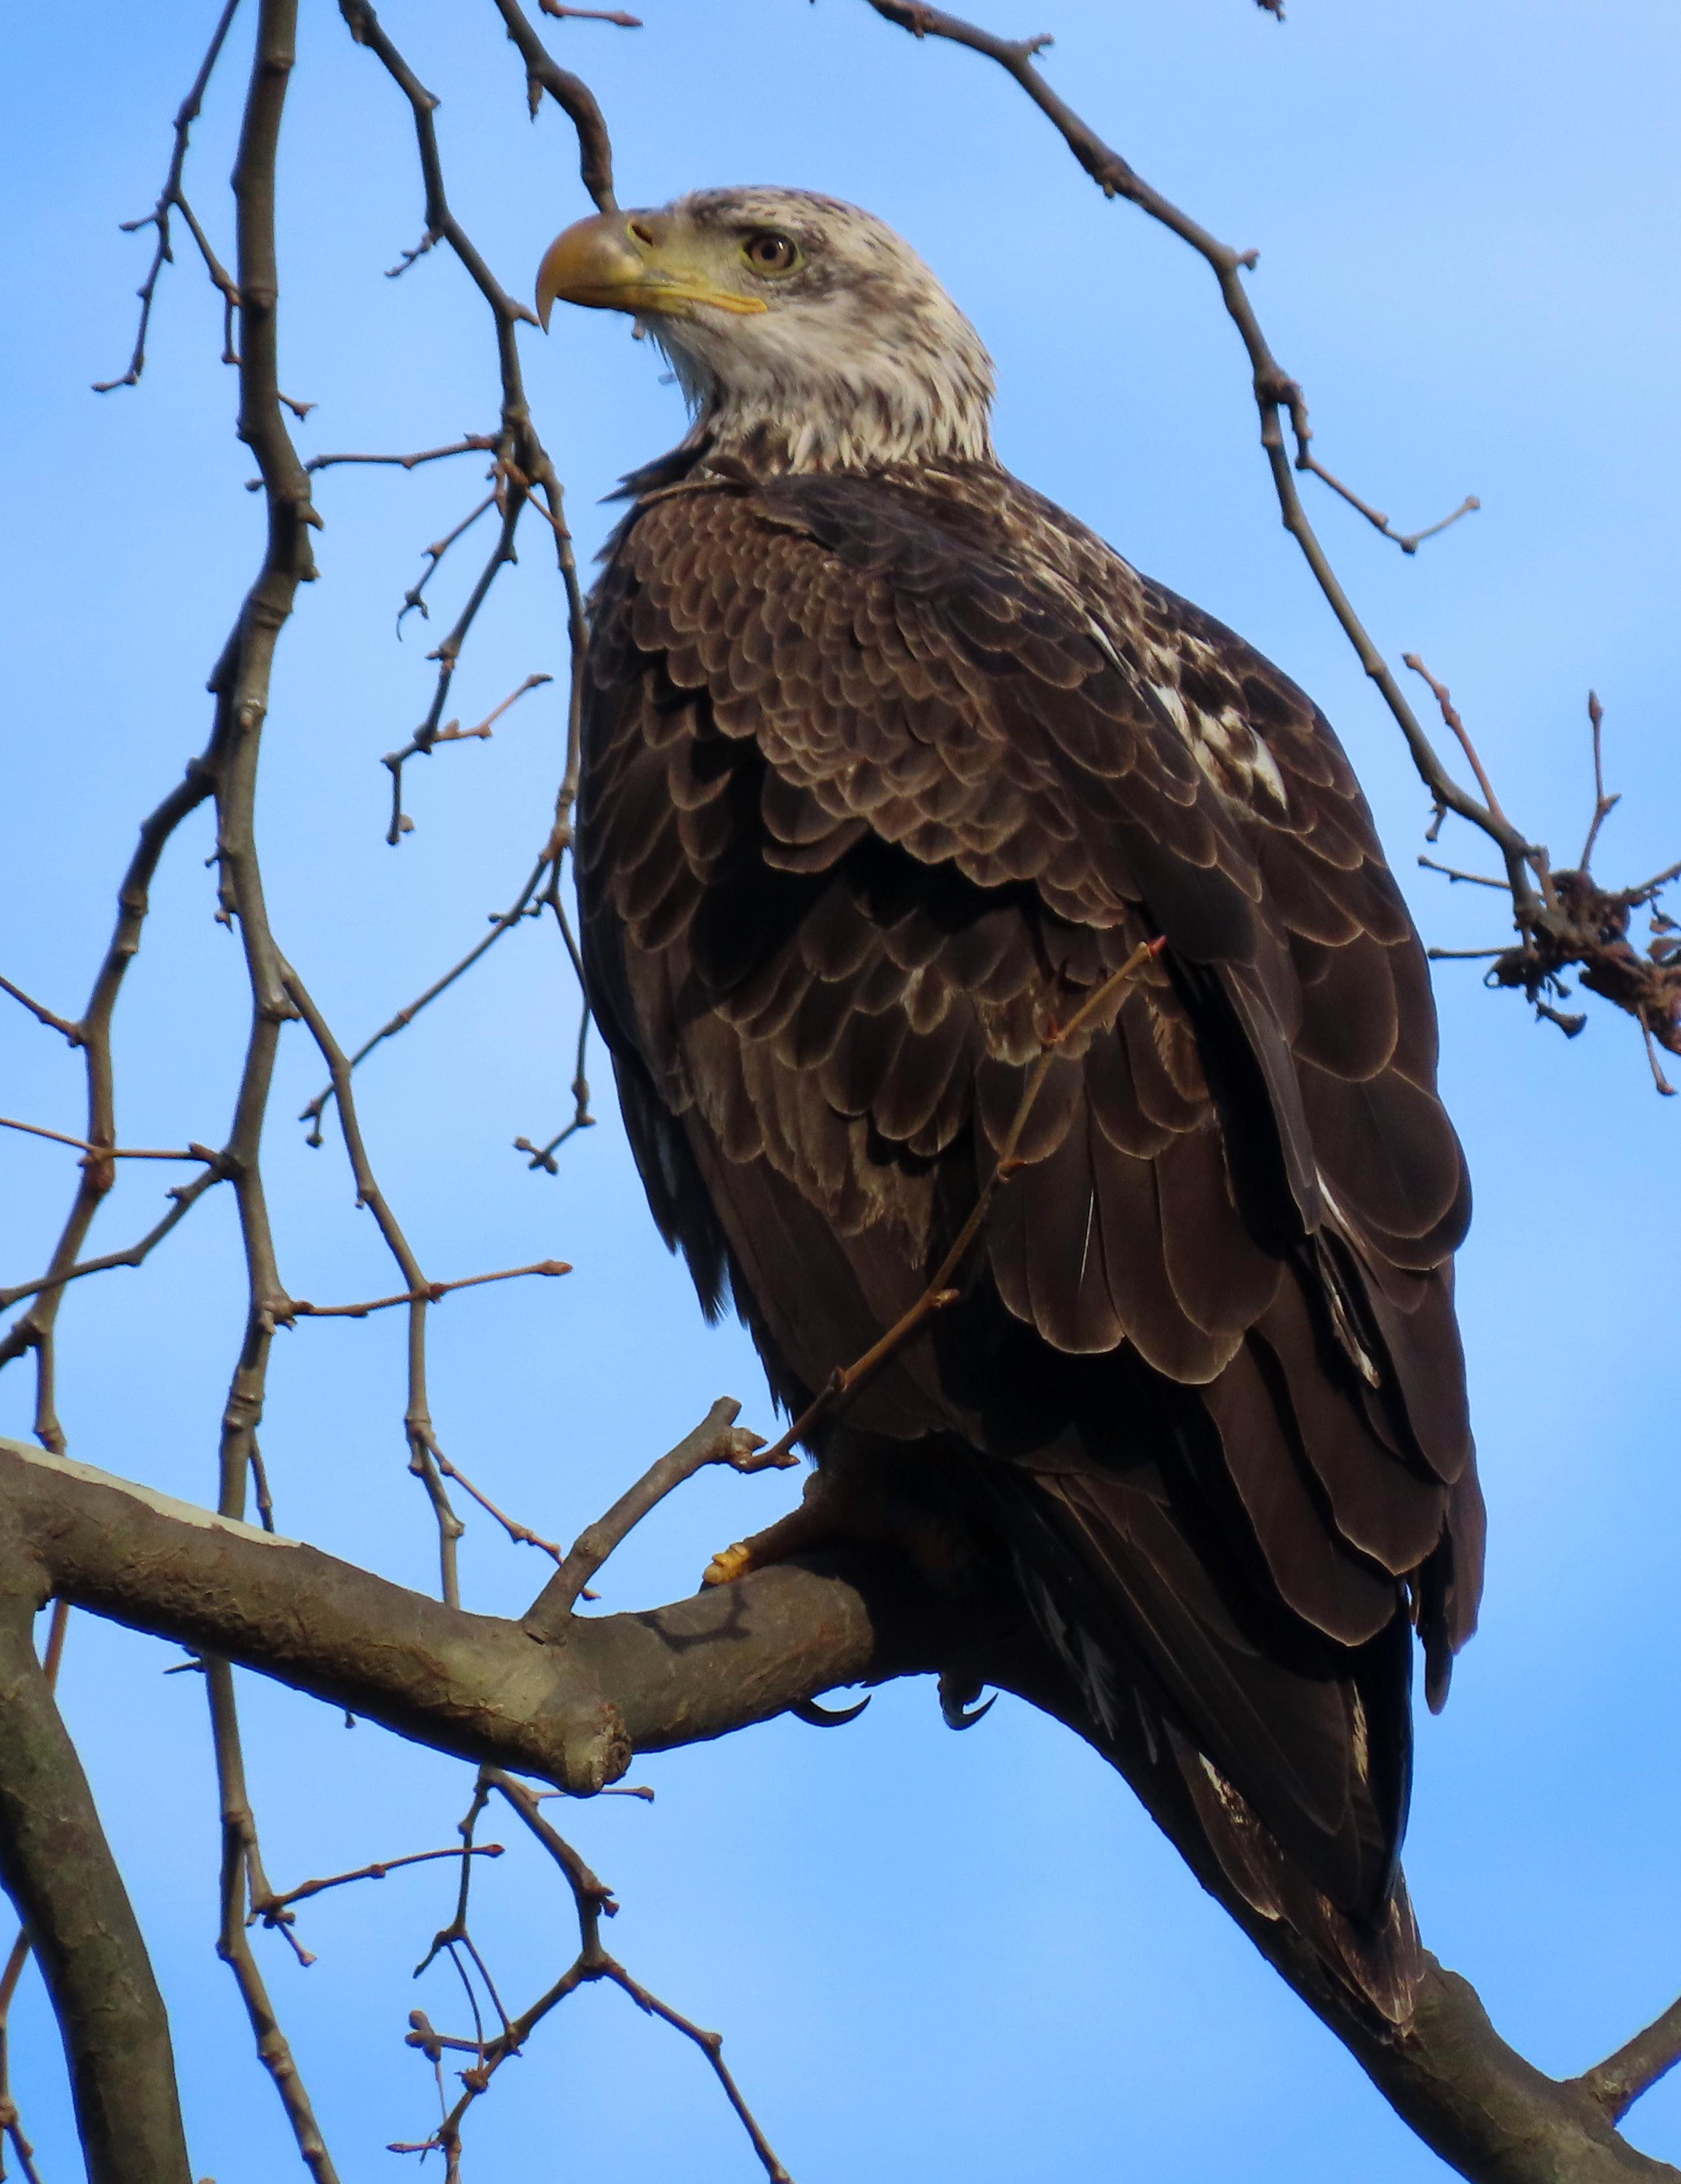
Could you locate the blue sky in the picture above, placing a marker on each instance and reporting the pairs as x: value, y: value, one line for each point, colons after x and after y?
x: 934, y: 1957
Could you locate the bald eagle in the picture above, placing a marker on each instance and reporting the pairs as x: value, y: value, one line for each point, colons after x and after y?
x: 889, y: 763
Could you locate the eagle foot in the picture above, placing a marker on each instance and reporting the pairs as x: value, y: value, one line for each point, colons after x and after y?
x: 728, y: 1564
x: 818, y: 1521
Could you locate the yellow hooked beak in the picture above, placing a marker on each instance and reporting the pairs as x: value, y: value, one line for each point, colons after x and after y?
x: 636, y: 262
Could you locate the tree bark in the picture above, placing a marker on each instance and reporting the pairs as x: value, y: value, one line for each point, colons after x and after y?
x: 573, y: 1708
x: 59, y: 1870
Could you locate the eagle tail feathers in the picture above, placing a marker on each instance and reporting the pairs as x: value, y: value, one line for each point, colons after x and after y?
x: 1340, y: 1892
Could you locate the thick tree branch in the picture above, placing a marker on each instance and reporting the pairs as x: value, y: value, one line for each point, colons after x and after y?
x: 1489, y: 2113
x: 59, y: 1870
x: 1618, y: 2082
x: 574, y: 1708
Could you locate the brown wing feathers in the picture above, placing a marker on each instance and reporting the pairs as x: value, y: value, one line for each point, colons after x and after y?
x: 881, y: 774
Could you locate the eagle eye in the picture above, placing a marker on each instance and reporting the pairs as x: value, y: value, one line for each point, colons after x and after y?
x: 770, y: 251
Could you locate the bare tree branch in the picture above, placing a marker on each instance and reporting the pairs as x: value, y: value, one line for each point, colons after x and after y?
x: 428, y: 735
x: 486, y: 1690
x: 428, y: 1293
x: 11, y: 2123
x: 274, y: 1906
x: 57, y: 1867
x: 469, y: 443
x: 92, y: 1033
x: 571, y: 93
x: 716, y: 1440
x: 242, y: 1882
x: 42, y: 1014
x: 241, y: 684
x: 170, y: 198
x: 107, y: 1152
x: 521, y: 466
x: 591, y: 1899
x: 573, y: 1712
x: 1618, y: 2082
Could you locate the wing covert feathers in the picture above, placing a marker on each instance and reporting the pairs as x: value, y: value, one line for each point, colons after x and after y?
x: 882, y: 774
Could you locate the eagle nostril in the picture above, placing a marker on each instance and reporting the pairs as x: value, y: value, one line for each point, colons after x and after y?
x: 642, y: 233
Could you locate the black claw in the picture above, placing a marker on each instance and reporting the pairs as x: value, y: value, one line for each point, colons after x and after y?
x: 809, y: 1711
x: 956, y: 1704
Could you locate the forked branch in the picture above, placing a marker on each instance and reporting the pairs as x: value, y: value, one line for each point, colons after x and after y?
x: 1618, y: 2082
x: 172, y: 199
x: 573, y: 1713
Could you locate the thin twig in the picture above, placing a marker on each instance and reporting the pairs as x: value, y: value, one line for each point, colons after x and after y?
x: 716, y: 1440
x: 242, y: 1879
x: 415, y: 599
x: 1644, y: 894
x: 470, y: 444
x: 428, y: 1294
x: 92, y: 1033
x: 241, y: 684
x: 1660, y: 1083
x: 591, y: 1902
x: 711, y: 2046
x: 417, y: 1421
x: 170, y: 198
x: 522, y: 1535
x: 41, y: 1013
x: 572, y: 95
x: 542, y: 1157
x: 1408, y: 541
x: 1471, y: 880
x: 556, y: 8
x: 46, y: 1286
x: 523, y: 465
x: 1451, y: 715
x: 427, y: 736
x: 271, y: 1908
x: 501, y: 923
x: 108, y: 1153
x: 593, y: 1899
x: 1603, y: 804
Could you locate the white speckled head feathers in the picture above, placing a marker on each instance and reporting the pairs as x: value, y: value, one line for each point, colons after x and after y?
x: 859, y: 359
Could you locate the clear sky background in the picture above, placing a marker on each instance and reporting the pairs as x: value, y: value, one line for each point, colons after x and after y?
x: 932, y: 1957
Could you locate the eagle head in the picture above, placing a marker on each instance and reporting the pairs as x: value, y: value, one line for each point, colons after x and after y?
x: 806, y: 335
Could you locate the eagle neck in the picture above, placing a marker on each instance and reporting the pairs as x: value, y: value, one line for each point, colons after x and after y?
x: 869, y: 414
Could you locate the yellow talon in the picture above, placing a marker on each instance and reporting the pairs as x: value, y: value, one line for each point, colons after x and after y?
x: 725, y: 1566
